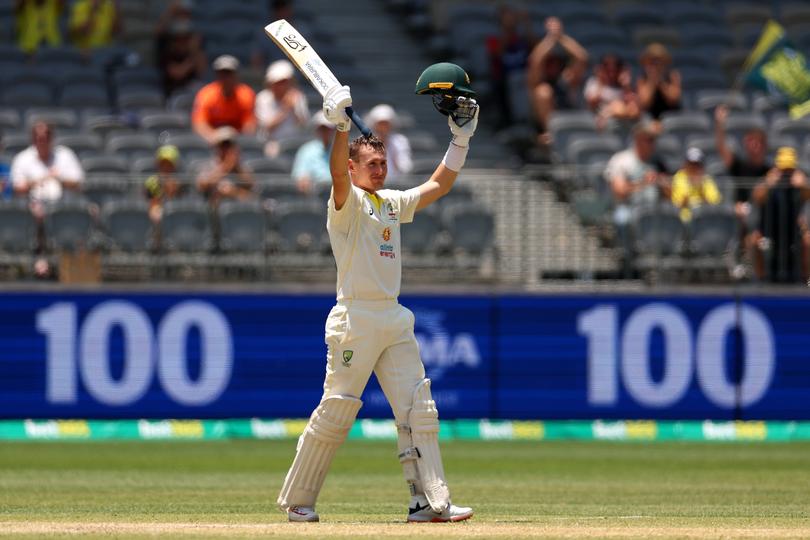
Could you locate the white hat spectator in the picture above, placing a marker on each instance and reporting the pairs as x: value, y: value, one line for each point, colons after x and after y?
x: 319, y: 120
x: 382, y: 113
x: 226, y: 62
x: 694, y: 155
x: 279, y: 70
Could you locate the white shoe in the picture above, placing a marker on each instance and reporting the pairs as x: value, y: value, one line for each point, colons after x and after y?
x: 302, y: 514
x: 420, y: 511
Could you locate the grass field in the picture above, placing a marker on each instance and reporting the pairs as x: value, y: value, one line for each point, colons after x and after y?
x: 518, y: 489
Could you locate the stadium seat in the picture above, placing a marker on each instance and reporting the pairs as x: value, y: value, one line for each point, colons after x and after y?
x: 81, y: 143
x: 592, y: 207
x: 739, y: 123
x: 104, y: 125
x: 658, y: 235
x: 279, y: 190
x: 707, y: 100
x: 165, y: 121
x: 644, y: 35
x: 84, y: 94
x: 103, y: 164
x: 250, y: 147
x: 136, y: 100
x: 100, y: 188
x: 597, y: 34
x: 26, y: 95
x: 190, y: 145
x: 69, y: 226
x: 132, y: 145
x: 695, y: 78
x: 587, y: 149
x: 794, y: 13
x: 181, y: 102
x: 128, y: 226
x: 471, y: 227
x: 14, y: 143
x: 242, y: 227
x: 634, y: 15
x: 301, y: 226
x: 685, y: 123
x: 699, y: 35
x: 712, y: 233
x: 186, y: 227
x: 787, y: 126
x: 64, y: 54
x: 265, y: 165
x: 422, y: 235
x: 565, y: 125
x: 738, y: 13
x: 459, y: 194
x: 138, y: 77
x: 421, y: 141
x: 18, y: 230
x: 686, y: 13
x: 60, y: 119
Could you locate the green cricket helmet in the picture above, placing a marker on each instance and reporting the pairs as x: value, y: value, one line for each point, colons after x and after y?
x: 444, y: 78
x: 449, y: 85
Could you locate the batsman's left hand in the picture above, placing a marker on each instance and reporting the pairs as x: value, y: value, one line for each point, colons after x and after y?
x: 334, y: 107
x: 462, y: 133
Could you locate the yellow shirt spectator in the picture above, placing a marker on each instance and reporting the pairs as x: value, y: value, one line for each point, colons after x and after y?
x: 93, y: 23
x: 38, y: 24
x: 693, y: 190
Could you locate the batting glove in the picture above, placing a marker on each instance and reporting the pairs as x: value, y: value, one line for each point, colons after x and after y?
x: 334, y: 107
x: 467, y: 112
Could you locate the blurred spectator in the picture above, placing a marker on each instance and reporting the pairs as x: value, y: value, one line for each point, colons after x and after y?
x: 658, y: 86
x: 224, y: 102
x: 165, y: 184
x: 180, y: 56
x: 382, y: 119
x: 555, y: 82
x: 636, y: 178
x: 6, y: 189
x: 609, y: 92
x: 263, y: 51
x: 752, y: 164
x: 281, y: 108
x: 779, y: 253
x: 38, y: 23
x: 691, y: 186
x: 311, y: 165
x: 177, y: 11
x: 94, y: 23
x: 508, y: 52
x: 225, y: 177
x: 43, y: 171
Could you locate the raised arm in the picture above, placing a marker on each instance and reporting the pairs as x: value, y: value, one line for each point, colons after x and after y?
x: 334, y: 108
x: 446, y: 173
x: 720, y: 116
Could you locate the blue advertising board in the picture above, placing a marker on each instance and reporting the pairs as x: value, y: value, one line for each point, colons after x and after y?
x: 151, y: 355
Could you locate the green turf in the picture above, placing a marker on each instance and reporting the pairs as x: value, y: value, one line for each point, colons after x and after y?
x: 543, y: 484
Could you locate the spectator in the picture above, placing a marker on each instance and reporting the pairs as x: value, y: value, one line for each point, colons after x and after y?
x: 43, y: 171
x: 508, y: 52
x: 311, y: 165
x: 281, y: 108
x: 224, y: 102
x: 636, y: 177
x: 752, y: 164
x: 658, y: 87
x: 177, y: 11
x: 382, y: 120
x: 38, y: 23
x: 263, y: 51
x: 6, y: 189
x: 777, y: 239
x: 181, y: 57
x: 163, y: 185
x: 94, y: 23
x: 553, y: 82
x: 609, y: 92
x: 692, y: 187
x: 224, y: 177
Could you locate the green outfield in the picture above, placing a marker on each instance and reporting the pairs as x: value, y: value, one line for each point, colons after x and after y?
x: 519, y: 490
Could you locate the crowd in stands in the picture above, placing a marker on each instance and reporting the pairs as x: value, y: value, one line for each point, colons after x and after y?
x: 594, y: 100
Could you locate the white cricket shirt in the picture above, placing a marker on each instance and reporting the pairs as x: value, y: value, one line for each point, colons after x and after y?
x: 27, y: 168
x: 366, y: 243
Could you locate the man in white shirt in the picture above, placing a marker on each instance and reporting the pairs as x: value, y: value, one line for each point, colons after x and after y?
x: 383, y: 121
x: 368, y: 330
x: 43, y: 171
x: 281, y: 108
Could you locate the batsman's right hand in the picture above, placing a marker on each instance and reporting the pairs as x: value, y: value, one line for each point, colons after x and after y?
x: 334, y: 107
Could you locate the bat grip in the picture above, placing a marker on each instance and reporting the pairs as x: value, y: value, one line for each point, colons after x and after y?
x: 358, y: 122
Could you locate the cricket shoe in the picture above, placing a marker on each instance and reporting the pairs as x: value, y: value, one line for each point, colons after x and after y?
x: 420, y: 512
x: 302, y: 514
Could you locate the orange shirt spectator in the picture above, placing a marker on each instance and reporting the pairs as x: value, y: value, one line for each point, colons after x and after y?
x: 224, y: 102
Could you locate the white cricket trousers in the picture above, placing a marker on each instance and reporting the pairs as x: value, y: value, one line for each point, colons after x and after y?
x: 373, y: 335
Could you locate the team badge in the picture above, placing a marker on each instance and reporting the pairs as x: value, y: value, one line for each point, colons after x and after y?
x: 347, y: 357
x: 386, y: 234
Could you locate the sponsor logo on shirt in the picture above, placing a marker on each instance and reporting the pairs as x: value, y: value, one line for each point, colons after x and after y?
x: 387, y: 250
x: 391, y: 214
x: 386, y: 234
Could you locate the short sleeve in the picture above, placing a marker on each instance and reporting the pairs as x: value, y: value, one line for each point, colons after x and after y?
x: 408, y: 201
x: 69, y: 165
x: 341, y: 219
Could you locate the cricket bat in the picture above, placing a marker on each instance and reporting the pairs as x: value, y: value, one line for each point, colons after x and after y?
x: 301, y: 53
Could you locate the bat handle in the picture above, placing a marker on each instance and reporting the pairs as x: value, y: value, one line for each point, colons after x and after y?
x: 358, y: 122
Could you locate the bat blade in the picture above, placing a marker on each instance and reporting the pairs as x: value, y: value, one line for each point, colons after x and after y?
x: 308, y: 62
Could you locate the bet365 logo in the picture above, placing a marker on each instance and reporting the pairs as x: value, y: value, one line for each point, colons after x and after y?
x: 293, y: 43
